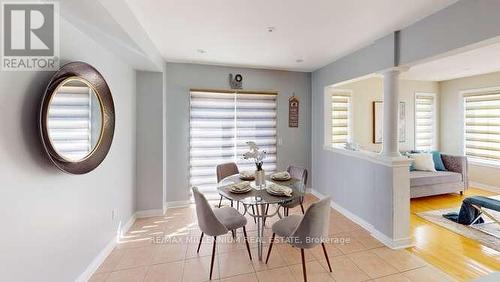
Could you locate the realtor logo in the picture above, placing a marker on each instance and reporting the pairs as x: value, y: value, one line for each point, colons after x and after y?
x: 30, y: 39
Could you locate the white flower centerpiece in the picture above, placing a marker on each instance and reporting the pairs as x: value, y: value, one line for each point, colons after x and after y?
x: 258, y: 157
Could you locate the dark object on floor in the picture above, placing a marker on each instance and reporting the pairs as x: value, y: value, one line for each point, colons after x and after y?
x: 471, y: 210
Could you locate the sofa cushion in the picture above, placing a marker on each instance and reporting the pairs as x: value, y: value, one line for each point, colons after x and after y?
x: 420, y: 178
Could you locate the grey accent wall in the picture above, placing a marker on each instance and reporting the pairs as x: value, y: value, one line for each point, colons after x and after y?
x: 458, y: 26
x: 149, y: 134
x: 54, y: 224
x: 181, y: 77
x: 378, y: 56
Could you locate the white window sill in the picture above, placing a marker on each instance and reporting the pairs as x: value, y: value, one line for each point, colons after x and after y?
x: 484, y: 163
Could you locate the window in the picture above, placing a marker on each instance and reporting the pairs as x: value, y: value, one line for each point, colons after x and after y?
x: 341, y: 118
x: 482, y: 125
x: 220, y: 125
x: 425, y: 121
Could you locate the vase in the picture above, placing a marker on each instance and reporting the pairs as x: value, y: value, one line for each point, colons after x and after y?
x: 260, y: 177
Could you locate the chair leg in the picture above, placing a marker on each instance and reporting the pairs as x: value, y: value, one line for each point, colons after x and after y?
x: 199, y: 244
x: 213, y: 257
x: 220, y: 202
x: 246, y: 242
x: 326, y: 256
x: 231, y: 203
x: 265, y: 213
x: 253, y: 212
x: 234, y: 233
x: 303, y: 265
x: 302, y: 208
x: 270, y: 247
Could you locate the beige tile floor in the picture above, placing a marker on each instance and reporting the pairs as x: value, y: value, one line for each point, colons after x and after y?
x: 164, y: 249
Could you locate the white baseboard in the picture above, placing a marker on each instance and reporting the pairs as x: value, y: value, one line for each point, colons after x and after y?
x: 104, y: 253
x: 393, y: 244
x: 148, y: 213
x: 484, y: 186
x: 99, y: 259
x: 177, y: 204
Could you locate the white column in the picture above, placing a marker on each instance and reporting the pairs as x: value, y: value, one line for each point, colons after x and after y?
x: 390, y: 146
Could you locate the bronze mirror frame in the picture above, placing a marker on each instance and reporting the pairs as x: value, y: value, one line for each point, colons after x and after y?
x: 90, y: 76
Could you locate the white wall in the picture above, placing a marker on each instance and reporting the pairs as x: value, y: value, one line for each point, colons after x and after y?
x: 365, y: 91
x: 452, y: 116
x: 181, y: 77
x: 54, y: 224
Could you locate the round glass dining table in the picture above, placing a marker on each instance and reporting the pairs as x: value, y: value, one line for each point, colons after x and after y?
x: 259, y: 200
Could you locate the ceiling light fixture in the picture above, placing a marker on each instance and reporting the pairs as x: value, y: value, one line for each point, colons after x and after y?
x: 299, y: 60
x: 271, y: 29
x: 201, y: 51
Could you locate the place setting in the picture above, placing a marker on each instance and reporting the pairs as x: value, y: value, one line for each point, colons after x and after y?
x: 281, y: 176
x: 240, y: 188
x: 279, y: 190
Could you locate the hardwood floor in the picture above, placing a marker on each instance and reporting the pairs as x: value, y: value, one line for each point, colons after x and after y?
x: 460, y: 257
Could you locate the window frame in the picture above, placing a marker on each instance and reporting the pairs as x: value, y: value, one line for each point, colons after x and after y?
x: 434, y: 145
x: 474, y: 160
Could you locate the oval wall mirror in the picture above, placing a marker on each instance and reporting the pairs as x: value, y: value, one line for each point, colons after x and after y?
x: 77, y: 118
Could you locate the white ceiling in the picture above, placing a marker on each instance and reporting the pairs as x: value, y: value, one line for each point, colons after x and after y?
x: 481, y: 60
x: 235, y: 32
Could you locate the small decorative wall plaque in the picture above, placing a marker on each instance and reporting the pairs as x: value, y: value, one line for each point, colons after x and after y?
x: 293, y: 111
x: 236, y: 82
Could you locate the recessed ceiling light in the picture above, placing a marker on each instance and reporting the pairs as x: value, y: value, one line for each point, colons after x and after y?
x: 271, y: 29
x: 299, y: 60
x: 201, y: 51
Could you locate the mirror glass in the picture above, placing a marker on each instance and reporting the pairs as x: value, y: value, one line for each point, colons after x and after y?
x: 74, y: 119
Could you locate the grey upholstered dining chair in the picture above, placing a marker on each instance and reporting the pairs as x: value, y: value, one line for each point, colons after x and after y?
x: 301, y: 174
x: 223, y: 171
x: 216, y: 222
x: 305, y: 231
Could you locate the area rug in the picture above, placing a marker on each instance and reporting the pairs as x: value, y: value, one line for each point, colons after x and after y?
x: 486, y: 233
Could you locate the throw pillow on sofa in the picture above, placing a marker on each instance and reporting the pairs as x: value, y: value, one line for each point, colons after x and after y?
x: 438, y: 162
x: 423, y: 161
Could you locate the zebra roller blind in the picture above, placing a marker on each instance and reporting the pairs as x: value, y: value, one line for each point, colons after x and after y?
x: 425, y: 121
x: 69, y: 122
x: 482, y: 125
x: 341, y: 107
x: 220, y: 125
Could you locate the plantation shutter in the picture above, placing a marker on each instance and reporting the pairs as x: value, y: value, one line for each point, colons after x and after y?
x: 482, y: 125
x: 220, y: 125
x: 425, y: 122
x: 341, y: 107
x: 69, y: 121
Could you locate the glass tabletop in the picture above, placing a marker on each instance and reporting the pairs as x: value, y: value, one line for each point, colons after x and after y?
x: 259, y: 195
